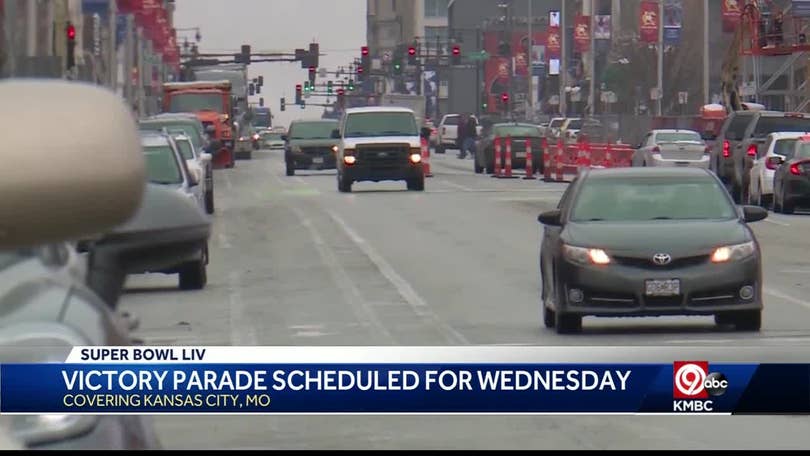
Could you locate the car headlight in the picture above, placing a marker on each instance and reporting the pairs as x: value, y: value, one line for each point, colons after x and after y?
x: 296, y: 149
x: 735, y: 252
x: 584, y: 255
x: 42, y: 429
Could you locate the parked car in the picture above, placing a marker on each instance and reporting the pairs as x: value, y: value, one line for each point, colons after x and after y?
x: 199, y: 163
x: 50, y: 304
x: 519, y: 133
x: 778, y: 147
x: 791, y: 183
x: 165, y: 166
x: 672, y: 148
x: 447, y: 132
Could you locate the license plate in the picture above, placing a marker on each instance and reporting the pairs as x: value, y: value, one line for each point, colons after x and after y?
x: 317, y: 160
x: 682, y: 163
x: 520, y: 155
x: 670, y: 287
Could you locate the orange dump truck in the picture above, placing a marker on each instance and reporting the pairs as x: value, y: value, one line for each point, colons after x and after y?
x: 210, y: 101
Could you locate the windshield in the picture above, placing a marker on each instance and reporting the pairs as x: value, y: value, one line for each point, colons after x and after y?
x: 261, y: 119
x: 176, y: 127
x: 680, y: 136
x: 185, y: 149
x: 556, y: 123
x: 451, y: 120
x: 575, y: 124
x: 365, y: 124
x: 311, y: 130
x: 517, y: 131
x: 161, y: 166
x: 651, y: 199
x: 803, y: 150
x: 193, y: 102
x: 768, y: 125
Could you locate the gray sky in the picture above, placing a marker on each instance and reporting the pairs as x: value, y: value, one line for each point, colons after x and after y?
x: 278, y: 26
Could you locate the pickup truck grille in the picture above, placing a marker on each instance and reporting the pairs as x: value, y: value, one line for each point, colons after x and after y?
x: 383, y: 156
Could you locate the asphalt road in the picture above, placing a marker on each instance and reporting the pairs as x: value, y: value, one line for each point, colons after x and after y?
x: 294, y: 262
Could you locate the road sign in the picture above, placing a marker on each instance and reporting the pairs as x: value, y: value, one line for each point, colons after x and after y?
x: 483, y: 55
x: 683, y: 98
x: 321, y: 72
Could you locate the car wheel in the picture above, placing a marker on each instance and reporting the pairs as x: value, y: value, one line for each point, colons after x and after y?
x: 549, y: 319
x: 209, y: 202
x: 491, y: 169
x: 290, y: 170
x: 344, y: 185
x: 193, y: 275
x: 416, y: 185
x: 567, y: 323
x: 788, y: 206
x: 723, y: 319
x: 748, y: 320
x: 478, y: 168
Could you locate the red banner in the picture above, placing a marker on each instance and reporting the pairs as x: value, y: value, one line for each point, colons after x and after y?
x: 553, y: 40
x: 731, y: 15
x: 649, y: 21
x: 582, y: 33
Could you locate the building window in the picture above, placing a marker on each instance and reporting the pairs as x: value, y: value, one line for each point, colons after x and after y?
x: 436, y: 8
x: 393, y: 5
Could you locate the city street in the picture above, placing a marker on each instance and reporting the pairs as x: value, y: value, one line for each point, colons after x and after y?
x: 294, y: 262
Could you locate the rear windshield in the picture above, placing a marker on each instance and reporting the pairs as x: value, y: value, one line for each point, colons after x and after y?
x: 680, y: 136
x: 312, y: 130
x: 574, y: 124
x: 651, y: 199
x: 556, y: 123
x: 768, y: 125
x: 181, y: 127
x: 802, y: 151
x: 784, y: 147
x: 736, y: 129
x: 517, y: 131
x: 451, y: 120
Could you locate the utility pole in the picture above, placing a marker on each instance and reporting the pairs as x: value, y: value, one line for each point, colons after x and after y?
x: 563, y: 60
x: 592, y: 60
x: 139, y: 93
x: 112, y: 51
x: 706, y: 95
x: 530, y: 114
x: 129, y: 57
x: 660, y: 94
x: 31, y: 28
x: 478, y: 89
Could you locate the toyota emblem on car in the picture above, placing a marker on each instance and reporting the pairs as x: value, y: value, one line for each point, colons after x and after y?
x: 662, y: 259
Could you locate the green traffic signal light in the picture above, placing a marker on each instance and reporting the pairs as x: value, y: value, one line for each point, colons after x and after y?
x: 351, y: 85
x: 329, y: 87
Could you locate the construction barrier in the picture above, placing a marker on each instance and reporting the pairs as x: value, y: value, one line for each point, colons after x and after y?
x: 426, y: 158
x: 562, y: 159
x: 498, y: 157
x: 529, y: 160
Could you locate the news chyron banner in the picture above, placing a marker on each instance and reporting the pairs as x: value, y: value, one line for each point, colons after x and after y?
x: 389, y: 380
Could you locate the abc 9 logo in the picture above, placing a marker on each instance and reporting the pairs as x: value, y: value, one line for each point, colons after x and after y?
x: 692, y: 380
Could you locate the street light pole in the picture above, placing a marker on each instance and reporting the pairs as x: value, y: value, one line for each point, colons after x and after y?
x: 563, y: 61
x: 531, y: 65
x: 592, y: 63
x: 660, y: 91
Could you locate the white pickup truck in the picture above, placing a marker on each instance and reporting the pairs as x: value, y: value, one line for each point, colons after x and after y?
x: 448, y: 132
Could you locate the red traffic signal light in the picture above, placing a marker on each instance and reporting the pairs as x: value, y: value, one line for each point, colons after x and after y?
x: 411, y: 50
x: 364, y: 51
x: 341, y: 92
x: 71, y: 32
x: 298, y: 87
x: 456, y: 50
x: 505, y: 97
x: 312, y: 69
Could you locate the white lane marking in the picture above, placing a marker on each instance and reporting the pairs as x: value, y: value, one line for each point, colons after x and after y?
x: 299, y: 180
x: 224, y: 241
x: 788, y: 298
x: 417, y: 304
x: 795, y: 271
x: 455, y: 185
x: 351, y: 294
x: 776, y: 222
x: 242, y: 330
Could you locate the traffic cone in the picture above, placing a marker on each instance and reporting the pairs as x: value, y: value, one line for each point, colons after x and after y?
x: 508, y: 159
x: 560, y: 160
x: 529, y: 160
x: 497, y: 157
x: 426, y: 158
x: 608, y: 157
x: 547, y: 160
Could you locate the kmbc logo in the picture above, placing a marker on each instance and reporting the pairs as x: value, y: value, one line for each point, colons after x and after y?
x: 692, y: 380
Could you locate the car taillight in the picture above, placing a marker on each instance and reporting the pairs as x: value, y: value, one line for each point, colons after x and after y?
x: 800, y: 169
x: 707, y: 150
x: 795, y: 170
x: 726, y: 149
x: 444, y: 130
x: 752, y: 150
x: 656, y: 150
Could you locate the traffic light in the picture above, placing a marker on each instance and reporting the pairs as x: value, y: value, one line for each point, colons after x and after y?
x: 261, y: 81
x: 298, y: 95
x: 505, y: 100
x: 245, y: 53
x: 283, y: 104
x: 258, y: 88
x: 261, y: 101
x: 306, y: 88
x: 251, y: 89
x: 341, y: 98
x: 484, y: 105
x: 303, y: 104
x: 329, y: 87
x: 361, y: 73
x: 312, y: 75
x: 70, y: 31
x: 396, y: 61
x: 314, y: 51
x: 365, y: 61
x: 456, y: 55
x: 351, y: 85
x: 412, y: 55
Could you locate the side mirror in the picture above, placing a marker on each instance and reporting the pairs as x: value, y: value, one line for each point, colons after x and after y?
x: 206, y: 157
x: 335, y: 134
x: 754, y: 213
x: 167, y: 226
x: 194, y: 176
x: 285, y: 139
x: 550, y: 218
x: 92, y: 161
x: 775, y: 161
